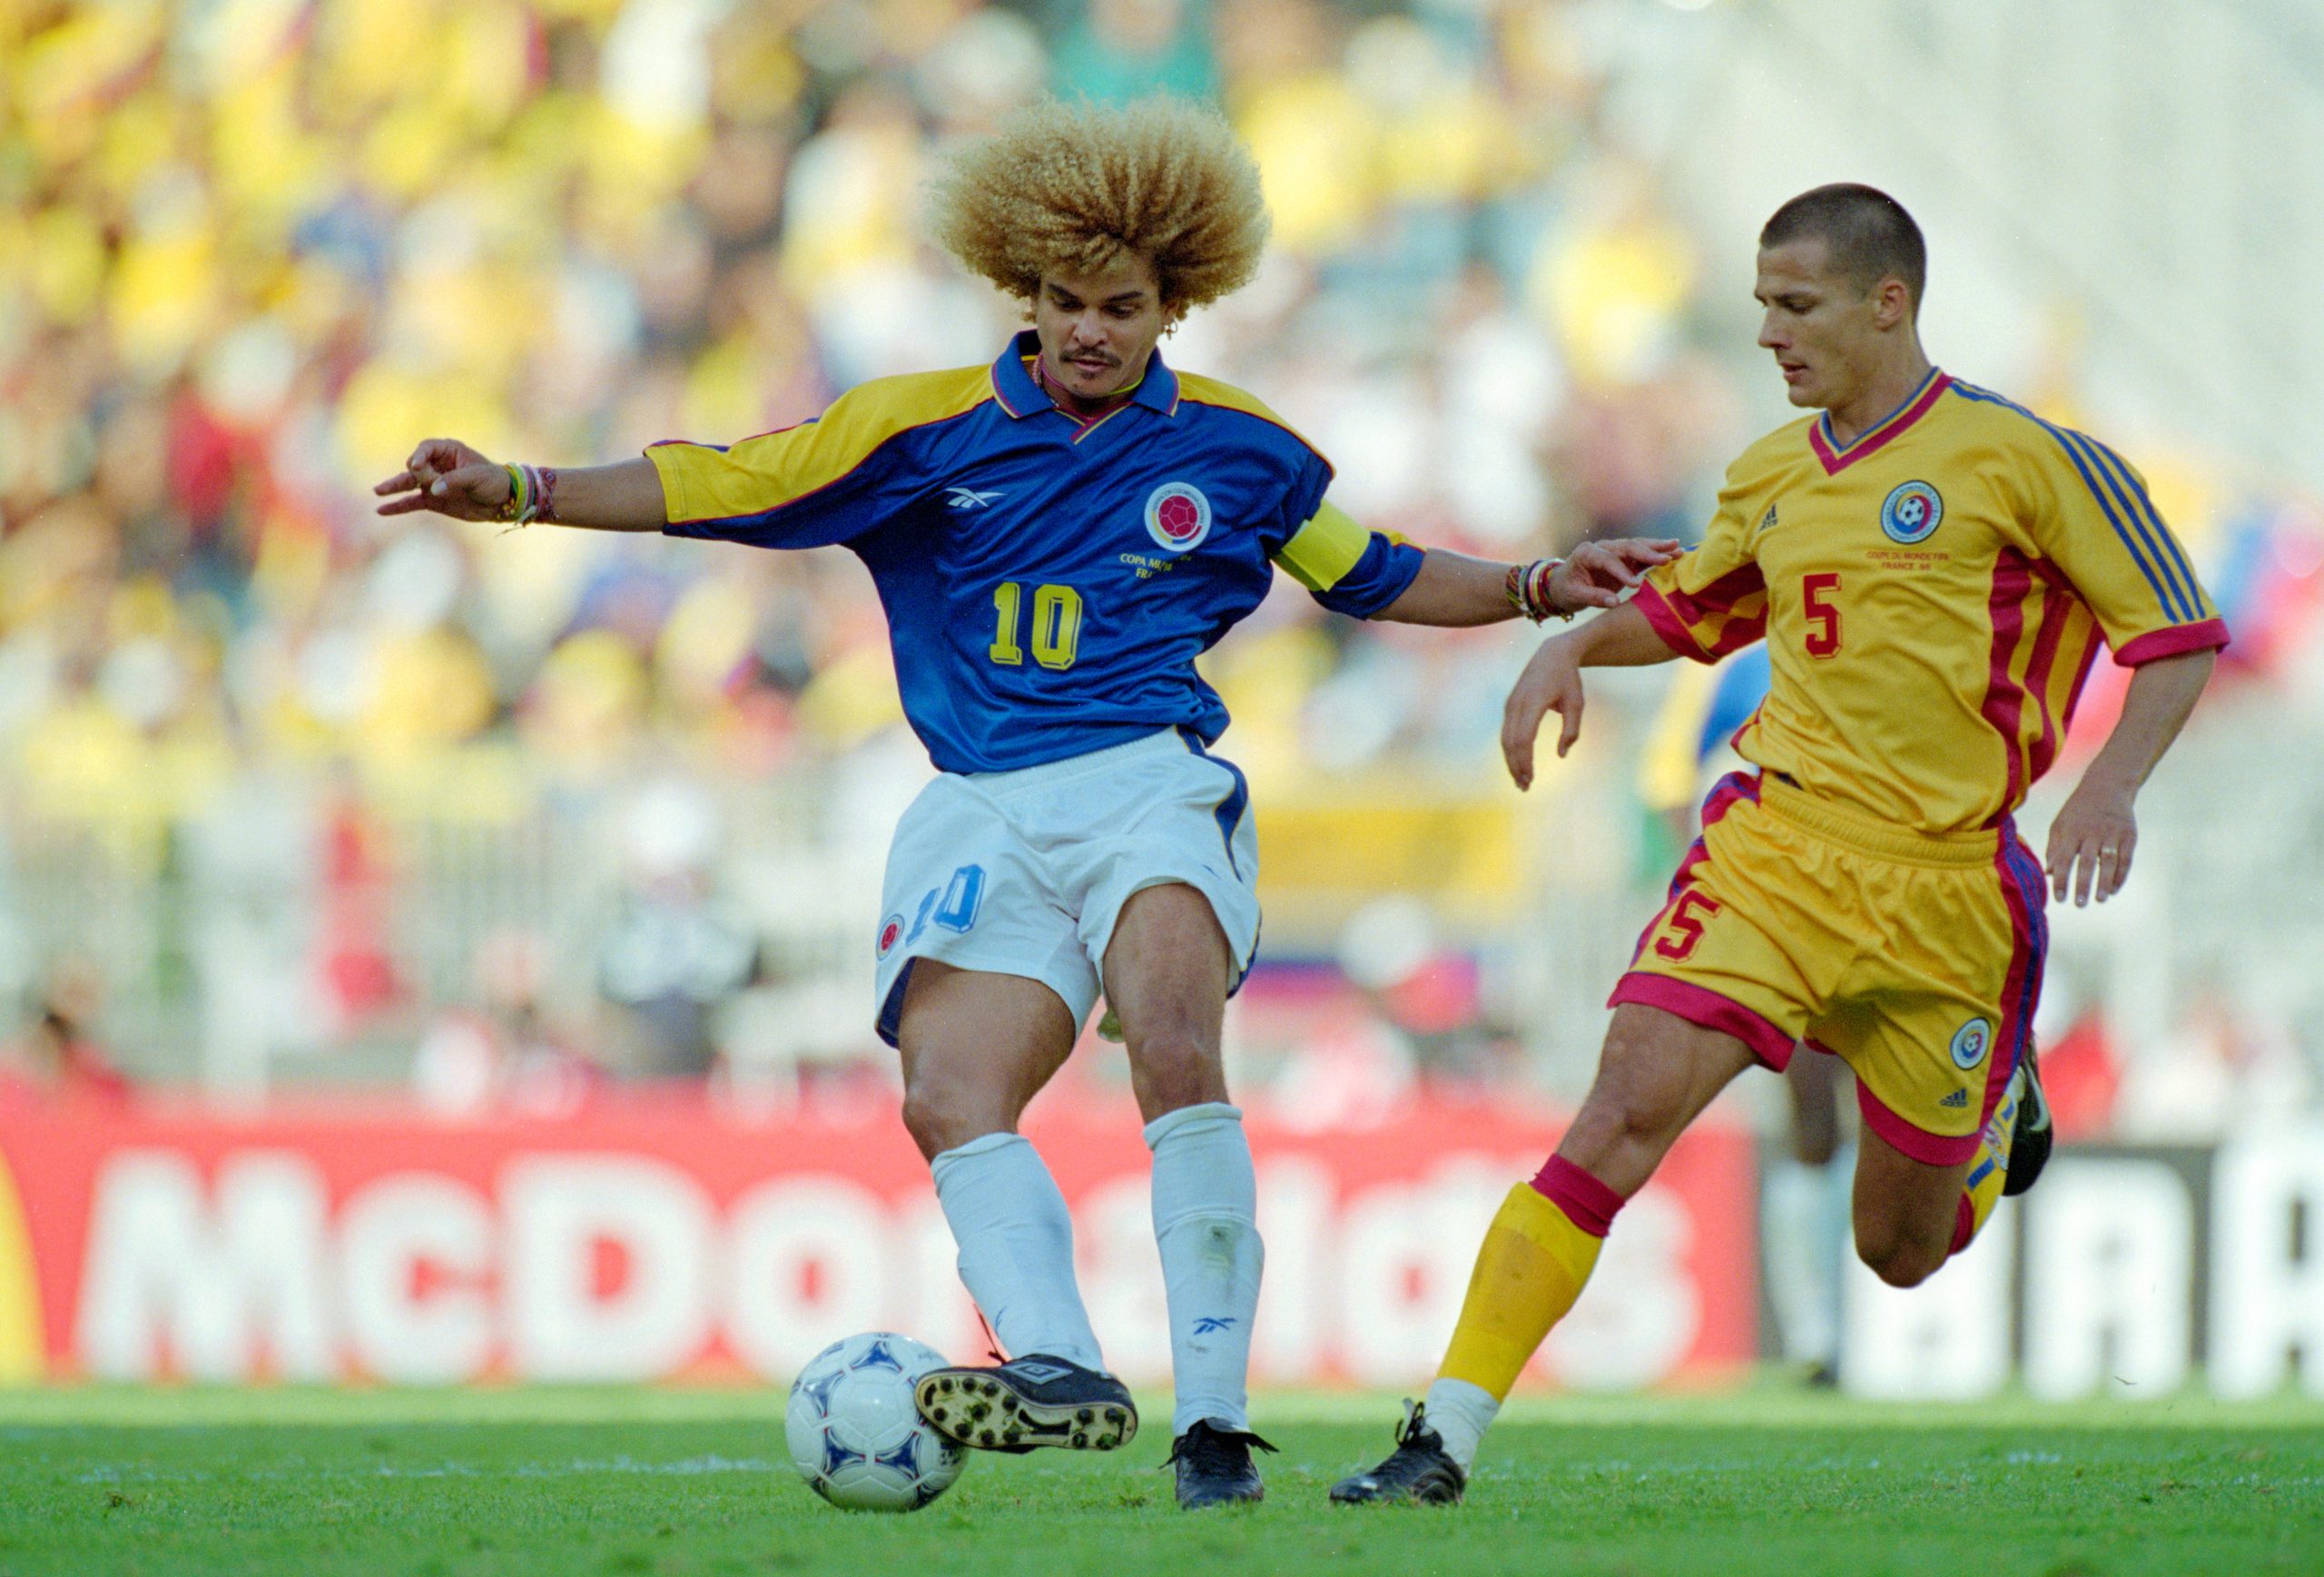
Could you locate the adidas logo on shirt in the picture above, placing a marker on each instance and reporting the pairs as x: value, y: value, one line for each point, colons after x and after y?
x: 1958, y: 1100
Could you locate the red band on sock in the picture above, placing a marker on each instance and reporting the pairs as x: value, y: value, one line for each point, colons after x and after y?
x: 1965, y: 1227
x: 1588, y: 1203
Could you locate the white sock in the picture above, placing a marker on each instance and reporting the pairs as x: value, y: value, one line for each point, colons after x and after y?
x: 1796, y: 1236
x: 1016, y: 1246
x: 1460, y: 1413
x: 1206, y: 1221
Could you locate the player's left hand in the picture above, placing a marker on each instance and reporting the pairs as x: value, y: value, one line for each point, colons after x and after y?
x: 1597, y: 574
x: 2091, y: 843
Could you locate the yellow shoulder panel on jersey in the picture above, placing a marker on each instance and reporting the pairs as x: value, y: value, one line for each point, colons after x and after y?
x: 1771, y: 452
x: 1203, y: 390
x: 1320, y: 553
x: 701, y: 482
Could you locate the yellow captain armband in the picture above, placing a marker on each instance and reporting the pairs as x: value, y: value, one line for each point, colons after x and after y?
x: 1320, y: 553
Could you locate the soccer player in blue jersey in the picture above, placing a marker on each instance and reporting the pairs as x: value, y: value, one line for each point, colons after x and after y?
x: 1056, y: 537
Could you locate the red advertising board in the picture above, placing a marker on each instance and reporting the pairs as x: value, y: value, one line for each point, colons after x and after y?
x: 657, y: 1234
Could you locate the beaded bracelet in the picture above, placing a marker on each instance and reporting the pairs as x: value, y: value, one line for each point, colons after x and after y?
x: 532, y: 490
x: 1528, y: 589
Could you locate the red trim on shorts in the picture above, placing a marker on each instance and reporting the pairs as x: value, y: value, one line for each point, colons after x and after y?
x: 2020, y: 988
x: 1964, y: 1225
x: 1588, y: 1203
x: 1933, y: 1150
x: 1707, y: 1010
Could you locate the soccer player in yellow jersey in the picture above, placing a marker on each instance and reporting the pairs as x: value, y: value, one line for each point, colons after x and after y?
x: 1933, y: 568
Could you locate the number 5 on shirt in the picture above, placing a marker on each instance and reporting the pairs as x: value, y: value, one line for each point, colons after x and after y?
x: 1824, y: 613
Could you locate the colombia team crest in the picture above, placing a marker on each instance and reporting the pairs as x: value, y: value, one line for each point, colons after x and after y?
x: 892, y: 931
x: 1911, y: 512
x: 1177, y: 515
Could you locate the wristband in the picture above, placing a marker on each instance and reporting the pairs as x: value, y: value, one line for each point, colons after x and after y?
x: 513, y: 506
x: 1528, y: 589
x: 529, y: 488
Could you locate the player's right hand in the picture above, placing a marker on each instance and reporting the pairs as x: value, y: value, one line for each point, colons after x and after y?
x: 1550, y: 682
x: 445, y: 476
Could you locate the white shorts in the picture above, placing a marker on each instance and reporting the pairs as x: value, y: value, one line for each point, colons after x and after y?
x: 1025, y: 873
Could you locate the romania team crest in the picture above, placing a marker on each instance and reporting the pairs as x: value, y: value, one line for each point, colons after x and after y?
x: 1970, y: 1043
x: 892, y: 931
x: 1911, y: 512
x: 1177, y: 515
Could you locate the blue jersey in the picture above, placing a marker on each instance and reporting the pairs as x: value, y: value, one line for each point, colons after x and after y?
x: 1048, y: 583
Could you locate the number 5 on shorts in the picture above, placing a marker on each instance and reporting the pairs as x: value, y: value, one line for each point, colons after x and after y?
x: 1682, y: 931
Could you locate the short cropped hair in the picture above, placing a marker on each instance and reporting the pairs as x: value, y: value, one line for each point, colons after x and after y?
x: 1869, y: 234
x: 1064, y: 188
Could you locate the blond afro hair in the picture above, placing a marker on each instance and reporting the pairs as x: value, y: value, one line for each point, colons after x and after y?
x: 1064, y: 188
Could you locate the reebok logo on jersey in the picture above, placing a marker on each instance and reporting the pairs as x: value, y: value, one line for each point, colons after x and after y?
x: 1177, y: 515
x: 969, y: 497
x: 1211, y: 1324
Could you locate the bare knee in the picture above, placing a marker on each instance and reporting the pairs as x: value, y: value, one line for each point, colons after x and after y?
x: 1899, y: 1260
x: 932, y: 1122
x: 1171, y: 1070
x: 943, y: 1113
x: 1632, y: 1104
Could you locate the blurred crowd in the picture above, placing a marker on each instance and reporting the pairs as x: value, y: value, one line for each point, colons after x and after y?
x: 251, y: 251
x: 254, y: 253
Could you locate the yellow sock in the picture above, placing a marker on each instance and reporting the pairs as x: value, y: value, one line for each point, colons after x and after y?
x: 1987, y: 1173
x: 1533, y: 1266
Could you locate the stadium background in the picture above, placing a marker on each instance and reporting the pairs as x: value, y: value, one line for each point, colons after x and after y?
x: 439, y: 955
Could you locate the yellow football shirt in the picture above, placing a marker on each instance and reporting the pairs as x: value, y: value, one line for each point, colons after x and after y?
x: 1932, y: 595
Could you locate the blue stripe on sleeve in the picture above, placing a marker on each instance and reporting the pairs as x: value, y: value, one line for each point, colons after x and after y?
x: 2175, y: 598
x: 2165, y: 597
x: 2185, y: 577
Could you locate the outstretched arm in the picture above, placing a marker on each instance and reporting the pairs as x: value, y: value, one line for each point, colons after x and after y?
x: 2095, y: 830
x: 446, y: 477
x: 1552, y: 681
x: 1454, y: 590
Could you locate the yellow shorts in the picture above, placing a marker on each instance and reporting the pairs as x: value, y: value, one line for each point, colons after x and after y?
x: 1918, y: 960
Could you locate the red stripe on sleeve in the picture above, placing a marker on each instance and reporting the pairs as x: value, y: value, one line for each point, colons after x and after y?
x: 1666, y: 623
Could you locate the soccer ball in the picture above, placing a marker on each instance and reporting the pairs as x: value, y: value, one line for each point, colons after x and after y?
x: 855, y: 1436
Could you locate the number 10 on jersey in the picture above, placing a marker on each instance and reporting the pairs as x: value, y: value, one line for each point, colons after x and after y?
x: 1056, y: 625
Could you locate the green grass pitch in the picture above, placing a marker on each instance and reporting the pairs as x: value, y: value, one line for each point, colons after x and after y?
x: 578, y: 1483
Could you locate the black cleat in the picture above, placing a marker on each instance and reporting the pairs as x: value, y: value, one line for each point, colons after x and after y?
x: 1028, y: 1402
x: 1215, y: 1466
x: 1419, y: 1470
x: 2030, y: 1135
